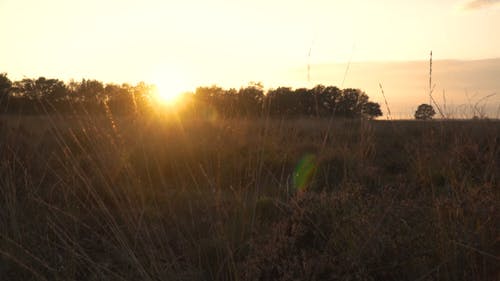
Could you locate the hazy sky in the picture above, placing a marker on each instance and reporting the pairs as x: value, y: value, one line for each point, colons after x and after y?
x: 233, y: 42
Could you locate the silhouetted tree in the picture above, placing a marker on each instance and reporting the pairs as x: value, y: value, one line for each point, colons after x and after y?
x: 213, y: 100
x: 320, y: 101
x: 209, y: 94
x: 86, y: 96
x: 350, y: 103
x: 40, y: 95
x: 41, y: 88
x: 141, y: 95
x: 90, y: 91
x: 371, y: 110
x: 424, y: 112
x: 119, y: 99
x: 250, y: 99
x: 25, y: 88
x: 93, y: 96
x: 325, y: 100
x: 5, y: 88
x: 280, y: 101
x: 305, y: 102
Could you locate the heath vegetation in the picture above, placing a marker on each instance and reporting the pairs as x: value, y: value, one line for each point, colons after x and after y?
x: 170, y: 197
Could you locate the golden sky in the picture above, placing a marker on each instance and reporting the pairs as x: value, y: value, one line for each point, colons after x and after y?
x: 233, y: 42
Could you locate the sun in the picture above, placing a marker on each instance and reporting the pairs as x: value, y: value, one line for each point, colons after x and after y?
x: 168, y: 92
x: 170, y: 86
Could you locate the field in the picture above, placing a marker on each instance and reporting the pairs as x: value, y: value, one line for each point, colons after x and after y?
x: 175, y: 198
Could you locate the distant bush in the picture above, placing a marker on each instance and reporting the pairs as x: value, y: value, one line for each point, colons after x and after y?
x: 424, y: 112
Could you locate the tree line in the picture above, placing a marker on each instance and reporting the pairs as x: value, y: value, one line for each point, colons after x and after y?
x: 42, y: 95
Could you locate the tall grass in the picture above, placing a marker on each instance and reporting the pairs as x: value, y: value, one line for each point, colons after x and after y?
x: 176, y: 198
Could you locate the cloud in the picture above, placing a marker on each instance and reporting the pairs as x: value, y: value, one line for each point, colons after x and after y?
x: 479, y: 4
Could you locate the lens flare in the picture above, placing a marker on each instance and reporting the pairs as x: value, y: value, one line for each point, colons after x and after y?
x: 304, y: 172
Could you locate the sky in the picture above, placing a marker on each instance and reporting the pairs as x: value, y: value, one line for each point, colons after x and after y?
x: 233, y: 42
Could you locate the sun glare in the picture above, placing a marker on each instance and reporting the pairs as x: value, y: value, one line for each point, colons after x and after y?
x: 169, y: 88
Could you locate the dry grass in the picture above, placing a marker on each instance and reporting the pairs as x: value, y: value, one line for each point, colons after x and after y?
x: 164, y: 198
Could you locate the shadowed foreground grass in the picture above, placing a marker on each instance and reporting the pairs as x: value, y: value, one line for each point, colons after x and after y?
x: 162, y: 198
